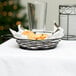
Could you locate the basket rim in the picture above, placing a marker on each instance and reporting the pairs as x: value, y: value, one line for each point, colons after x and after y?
x: 39, y: 40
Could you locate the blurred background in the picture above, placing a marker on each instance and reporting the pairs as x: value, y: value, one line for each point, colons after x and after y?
x: 14, y: 12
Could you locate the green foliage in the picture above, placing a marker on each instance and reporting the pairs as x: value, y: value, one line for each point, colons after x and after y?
x: 10, y: 15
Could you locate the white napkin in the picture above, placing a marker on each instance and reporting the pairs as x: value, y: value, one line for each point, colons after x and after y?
x: 18, y: 34
x: 58, y: 34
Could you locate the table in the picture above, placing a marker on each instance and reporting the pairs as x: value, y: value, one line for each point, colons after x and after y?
x: 60, y: 61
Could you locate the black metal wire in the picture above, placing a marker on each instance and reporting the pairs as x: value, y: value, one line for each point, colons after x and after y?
x: 68, y: 36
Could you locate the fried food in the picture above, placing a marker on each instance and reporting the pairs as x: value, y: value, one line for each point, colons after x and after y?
x: 34, y: 36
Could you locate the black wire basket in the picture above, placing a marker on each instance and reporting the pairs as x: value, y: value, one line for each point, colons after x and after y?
x: 38, y: 44
x: 48, y: 43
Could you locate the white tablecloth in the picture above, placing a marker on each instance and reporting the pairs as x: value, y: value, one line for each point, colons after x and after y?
x: 60, y: 61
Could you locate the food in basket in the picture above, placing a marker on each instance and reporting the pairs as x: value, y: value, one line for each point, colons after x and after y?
x: 37, y: 35
x: 31, y: 35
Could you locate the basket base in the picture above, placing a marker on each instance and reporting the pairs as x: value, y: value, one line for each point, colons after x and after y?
x: 38, y: 48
